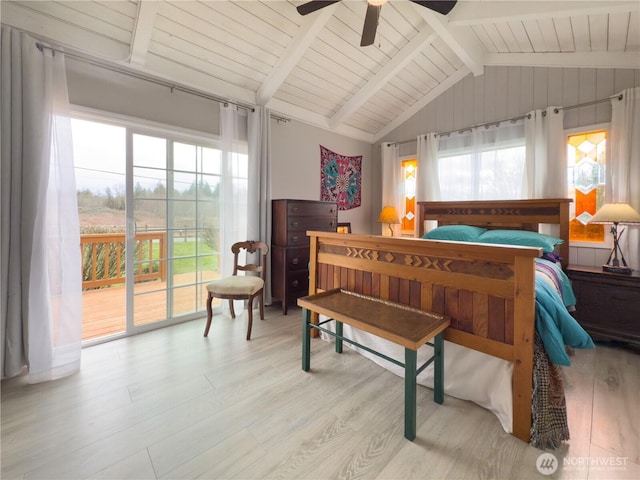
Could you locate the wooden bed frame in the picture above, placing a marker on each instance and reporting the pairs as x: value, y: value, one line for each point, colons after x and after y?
x: 488, y: 291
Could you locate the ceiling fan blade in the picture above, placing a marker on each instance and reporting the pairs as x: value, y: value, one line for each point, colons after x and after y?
x: 314, y: 5
x: 442, y: 7
x: 370, y: 25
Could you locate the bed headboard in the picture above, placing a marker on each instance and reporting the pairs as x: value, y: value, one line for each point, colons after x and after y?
x: 503, y: 214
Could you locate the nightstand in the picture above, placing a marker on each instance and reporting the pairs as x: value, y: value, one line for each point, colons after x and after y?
x: 607, y: 304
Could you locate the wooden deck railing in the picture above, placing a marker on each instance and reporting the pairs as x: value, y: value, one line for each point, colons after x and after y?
x: 105, y: 253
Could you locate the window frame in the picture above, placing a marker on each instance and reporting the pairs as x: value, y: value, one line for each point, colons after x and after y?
x: 607, y: 244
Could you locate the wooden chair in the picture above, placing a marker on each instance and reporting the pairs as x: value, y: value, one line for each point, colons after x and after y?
x: 241, y: 287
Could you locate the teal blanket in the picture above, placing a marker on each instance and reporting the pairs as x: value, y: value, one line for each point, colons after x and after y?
x: 554, y: 323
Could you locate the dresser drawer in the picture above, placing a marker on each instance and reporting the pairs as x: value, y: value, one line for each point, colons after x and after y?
x: 298, y: 283
x: 312, y: 209
x: 297, y: 259
x: 302, y: 224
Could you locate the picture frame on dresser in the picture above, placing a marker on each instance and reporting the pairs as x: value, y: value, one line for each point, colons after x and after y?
x: 344, y: 227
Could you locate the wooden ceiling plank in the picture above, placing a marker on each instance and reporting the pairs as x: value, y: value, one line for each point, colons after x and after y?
x: 143, y: 29
x: 220, y: 57
x: 293, y: 53
x: 520, y: 34
x: 63, y: 33
x: 476, y: 13
x: 618, y: 31
x: 599, y: 29
x: 633, y: 35
x: 389, y: 70
x: 535, y: 35
x: 581, y: 36
x: 423, y: 102
x: 481, y: 35
x: 496, y: 37
x: 205, y: 65
x: 565, y: 34
x: 509, y: 39
x: 549, y: 35
x: 459, y: 39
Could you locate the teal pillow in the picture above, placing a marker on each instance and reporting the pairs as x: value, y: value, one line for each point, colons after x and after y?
x: 458, y: 233
x: 522, y: 238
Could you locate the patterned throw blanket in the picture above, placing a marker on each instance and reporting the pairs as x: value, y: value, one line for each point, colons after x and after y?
x: 549, y: 425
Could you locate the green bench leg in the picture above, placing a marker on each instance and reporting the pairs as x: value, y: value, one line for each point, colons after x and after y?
x: 306, y: 340
x: 438, y: 368
x: 339, y: 337
x: 410, y: 369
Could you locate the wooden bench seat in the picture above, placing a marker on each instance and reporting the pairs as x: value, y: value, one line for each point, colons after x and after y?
x: 405, y: 326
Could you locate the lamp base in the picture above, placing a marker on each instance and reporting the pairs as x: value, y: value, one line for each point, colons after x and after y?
x: 617, y: 269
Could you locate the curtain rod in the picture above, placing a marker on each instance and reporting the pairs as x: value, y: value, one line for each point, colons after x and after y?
x: 149, y: 78
x: 515, y: 119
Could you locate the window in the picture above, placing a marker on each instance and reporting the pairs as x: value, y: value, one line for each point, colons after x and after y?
x: 409, y: 170
x: 586, y: 157
x: 483, y: 164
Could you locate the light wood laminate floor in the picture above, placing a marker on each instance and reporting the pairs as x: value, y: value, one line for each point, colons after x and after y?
x: 172, y: 404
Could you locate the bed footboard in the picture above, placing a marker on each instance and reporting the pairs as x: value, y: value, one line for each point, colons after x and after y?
x: 487, y: 291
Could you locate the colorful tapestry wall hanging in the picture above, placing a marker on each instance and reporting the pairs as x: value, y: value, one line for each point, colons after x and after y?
x: 340, y: 179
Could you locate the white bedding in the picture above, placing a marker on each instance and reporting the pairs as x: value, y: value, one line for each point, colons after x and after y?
x: 468, y: 374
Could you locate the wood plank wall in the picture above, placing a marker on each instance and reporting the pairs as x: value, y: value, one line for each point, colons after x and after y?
x: 506, y: 92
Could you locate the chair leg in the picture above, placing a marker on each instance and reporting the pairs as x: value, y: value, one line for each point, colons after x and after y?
x: 209, y: 314
x: 233, y: 312
x: 250, y: 319
x: 261, y: 306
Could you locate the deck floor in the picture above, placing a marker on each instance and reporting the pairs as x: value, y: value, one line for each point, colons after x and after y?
x: 104, y: 310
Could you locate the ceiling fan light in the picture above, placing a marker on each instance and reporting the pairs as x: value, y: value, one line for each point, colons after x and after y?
x: 376, y: 3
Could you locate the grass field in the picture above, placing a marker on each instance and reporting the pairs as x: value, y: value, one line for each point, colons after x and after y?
x: 185, y: 260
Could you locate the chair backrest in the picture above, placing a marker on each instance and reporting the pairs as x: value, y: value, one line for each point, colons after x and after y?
x: 251, y: 247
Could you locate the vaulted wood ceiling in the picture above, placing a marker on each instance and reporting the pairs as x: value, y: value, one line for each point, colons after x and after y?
x: 312, y: 68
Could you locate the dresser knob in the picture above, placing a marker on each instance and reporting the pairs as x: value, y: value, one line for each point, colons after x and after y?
x: 294, y: 238
x: 295, y: 209
x: 294, y: 283
x: 294, y: 224
x: 295, y: 261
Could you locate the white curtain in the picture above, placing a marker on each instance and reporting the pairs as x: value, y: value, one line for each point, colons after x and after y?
x: 546, y: 163
x: 428, y: 181
x: 623, y: 165
x: 259, y: 194
x: 41, y: 296
x: 482, y: 163
x: 234, y: 186
x: 391, y: 193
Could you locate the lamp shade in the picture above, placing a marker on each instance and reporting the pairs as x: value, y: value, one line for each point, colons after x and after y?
x: 616, y: 213
x: 388, y: 215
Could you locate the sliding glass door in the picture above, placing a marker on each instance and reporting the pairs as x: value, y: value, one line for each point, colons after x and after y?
x: 151, y: 204
x: 175, y: 205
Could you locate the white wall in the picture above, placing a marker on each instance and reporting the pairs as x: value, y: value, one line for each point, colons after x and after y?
x: 295, y: 151
x: 295, y: 145
x: 507, y: 92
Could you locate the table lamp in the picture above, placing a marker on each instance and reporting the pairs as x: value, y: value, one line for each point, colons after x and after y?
x: 389, y: 215
x: 616, y: 213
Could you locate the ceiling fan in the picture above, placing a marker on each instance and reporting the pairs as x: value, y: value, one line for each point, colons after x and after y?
x: 373, y: 13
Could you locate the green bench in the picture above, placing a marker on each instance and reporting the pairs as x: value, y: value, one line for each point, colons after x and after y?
x: 403, y: 325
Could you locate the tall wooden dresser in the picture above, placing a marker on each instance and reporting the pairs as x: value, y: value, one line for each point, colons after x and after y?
x: 290, y: 244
